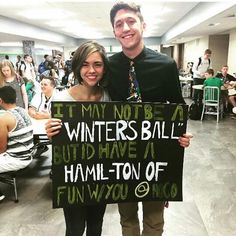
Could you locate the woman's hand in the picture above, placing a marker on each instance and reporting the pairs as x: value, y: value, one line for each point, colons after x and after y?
x: 184, y: 140
x: 53, y: 127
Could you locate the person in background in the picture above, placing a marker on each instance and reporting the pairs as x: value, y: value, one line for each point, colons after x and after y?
x: 27, y: 68
x: 9, y: 77
x: 199, y: 68
x: 60, y: 64
x: 212, y: 81
x: 7, y: 58
x: 16, y: 137
x: 224, y: 75
x: 158, y: 80
x: 40, y: 106
x: 68, y: 70
x: 18, y: 64
x: 29, y: 86
x: 43, y: 65
x: 230, y: 84
x: 51, y: 70
x: 90, y: 66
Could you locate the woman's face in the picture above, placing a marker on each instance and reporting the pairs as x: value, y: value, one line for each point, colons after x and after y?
x: 92, y: 70
x: 6, y: 72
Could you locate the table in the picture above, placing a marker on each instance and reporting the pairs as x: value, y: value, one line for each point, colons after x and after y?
x: 39, y: 126
x: 186, y: 86
x: 200, y: 87
x: 185, y: 79
x: 39, y: 130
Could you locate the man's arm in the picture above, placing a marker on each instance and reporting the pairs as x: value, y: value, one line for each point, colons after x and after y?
x: 196, y: 73
x: 38, y: 115
x: 24, y: 96
x: 3, y: 133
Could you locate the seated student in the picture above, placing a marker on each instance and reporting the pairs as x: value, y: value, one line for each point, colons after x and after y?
x: 40, y: 106
x: 230, y: 84
x: 16, y: 137
x: 212, y: 81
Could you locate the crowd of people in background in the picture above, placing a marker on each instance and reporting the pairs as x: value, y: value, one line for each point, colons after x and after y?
x: 26, y: 72
x: 202, y: 73
x: 26, y: 92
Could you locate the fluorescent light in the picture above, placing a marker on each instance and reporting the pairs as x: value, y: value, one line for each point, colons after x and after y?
x: 11, y: 44
x: 45, y: 14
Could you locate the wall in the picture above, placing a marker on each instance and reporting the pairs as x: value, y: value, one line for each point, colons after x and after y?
x: 219, y: 44
x: 232, y: 50
x: 194, y: 49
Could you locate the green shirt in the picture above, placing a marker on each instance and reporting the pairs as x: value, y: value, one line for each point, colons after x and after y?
x: 213, y: 81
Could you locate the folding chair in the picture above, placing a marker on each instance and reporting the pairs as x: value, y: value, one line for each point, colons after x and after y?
x: 212, y: 104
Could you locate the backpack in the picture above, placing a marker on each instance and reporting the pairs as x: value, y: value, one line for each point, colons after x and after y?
x: 195, y: 111
x: 20, y: 71
x: 200, y: 61
x: 42, y: 67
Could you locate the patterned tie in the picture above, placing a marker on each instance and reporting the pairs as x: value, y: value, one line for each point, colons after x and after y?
x: 134, y: 90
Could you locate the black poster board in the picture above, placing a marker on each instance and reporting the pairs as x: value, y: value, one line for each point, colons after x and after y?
x: 111, y: 152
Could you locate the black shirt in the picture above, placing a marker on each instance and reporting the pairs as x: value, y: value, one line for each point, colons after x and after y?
x: 156, y: 73
x: 226, y: 78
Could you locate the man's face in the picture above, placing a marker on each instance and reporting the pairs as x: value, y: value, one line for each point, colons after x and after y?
x: 28, y: 59
x: 207, y: 75
x: 224, y: 70
x: 207, y: 55
x: 128, y: 29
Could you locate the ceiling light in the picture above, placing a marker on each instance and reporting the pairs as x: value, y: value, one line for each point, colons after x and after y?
x: 213, y: 24
x: 45, y: 14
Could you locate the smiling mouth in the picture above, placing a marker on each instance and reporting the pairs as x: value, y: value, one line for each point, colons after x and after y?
x: 127, y: 36
x: 92, y: 77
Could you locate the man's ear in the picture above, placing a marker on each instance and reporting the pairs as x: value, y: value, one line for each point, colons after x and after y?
x: 144, y: 26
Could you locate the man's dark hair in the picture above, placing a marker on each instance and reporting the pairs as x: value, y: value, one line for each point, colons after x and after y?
x: 26, y: 55
x: 8, y: 94
x: 126, y: 6
x: 51, y: 79
x: 45, y: 56
x: 210, y: 71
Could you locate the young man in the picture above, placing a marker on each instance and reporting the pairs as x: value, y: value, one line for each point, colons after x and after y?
x: 40, y: 106
x: 158, y: 81
x: 199, y: 68
x: 16, y: 136
x: 230, y: 84
x: 212, y: 81
x: 27, y: 68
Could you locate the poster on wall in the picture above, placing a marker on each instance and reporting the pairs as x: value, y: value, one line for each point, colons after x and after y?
x: 109, y: 152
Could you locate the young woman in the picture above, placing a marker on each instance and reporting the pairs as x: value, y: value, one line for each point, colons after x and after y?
x: 89, y: 65
x: 9, y: 77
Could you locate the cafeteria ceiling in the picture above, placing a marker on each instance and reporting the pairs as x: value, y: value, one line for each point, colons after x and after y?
x: 67, y: 21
